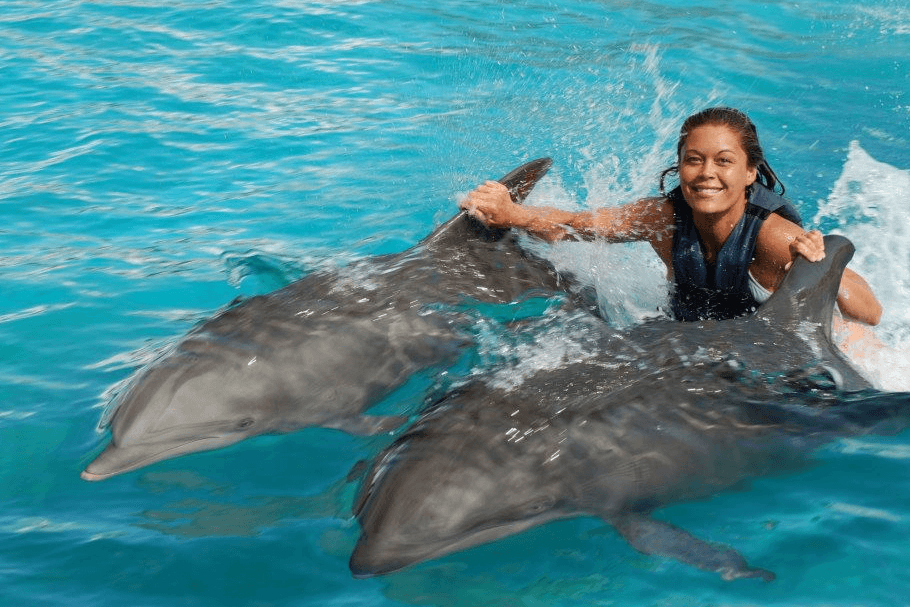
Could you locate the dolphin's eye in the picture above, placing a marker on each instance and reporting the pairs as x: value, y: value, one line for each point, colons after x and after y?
x: 540, y: 505
x: 245, y: 423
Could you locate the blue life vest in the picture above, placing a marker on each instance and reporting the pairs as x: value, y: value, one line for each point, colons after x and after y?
x: 719, y: 290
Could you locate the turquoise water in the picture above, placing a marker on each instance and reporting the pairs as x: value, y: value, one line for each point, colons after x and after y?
x: 160, y: 159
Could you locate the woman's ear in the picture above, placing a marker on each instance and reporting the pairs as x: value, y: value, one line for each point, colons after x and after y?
x: 752, y: 175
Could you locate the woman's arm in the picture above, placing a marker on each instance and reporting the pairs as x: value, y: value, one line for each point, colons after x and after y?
x: 647, y: 219
x: 491, y: 204
x: 856, y: 299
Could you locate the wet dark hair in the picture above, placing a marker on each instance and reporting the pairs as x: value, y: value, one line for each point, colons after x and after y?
x: 738, y: 122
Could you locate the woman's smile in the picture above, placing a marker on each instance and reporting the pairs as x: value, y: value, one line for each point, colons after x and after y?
x: 707, y: 190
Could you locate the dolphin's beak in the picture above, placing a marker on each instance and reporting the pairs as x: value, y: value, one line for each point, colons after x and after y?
x: 90, y: 476
x: 110, y: 462
x: 359, y: 569
x: 366, y: 562
x: 116, y: 459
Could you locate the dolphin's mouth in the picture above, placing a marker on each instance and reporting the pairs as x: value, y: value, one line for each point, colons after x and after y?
x: 116, y: 460
x: 374, y: 556
x: 363, y: 565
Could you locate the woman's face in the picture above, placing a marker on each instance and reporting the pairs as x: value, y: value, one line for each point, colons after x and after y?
x: 714, y: 170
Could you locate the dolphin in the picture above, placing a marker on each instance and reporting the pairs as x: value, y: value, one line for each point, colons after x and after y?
x: 660, y: 413
x: 322, y: 350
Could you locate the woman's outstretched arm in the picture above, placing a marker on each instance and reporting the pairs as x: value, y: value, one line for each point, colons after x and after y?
x: 648, y: 219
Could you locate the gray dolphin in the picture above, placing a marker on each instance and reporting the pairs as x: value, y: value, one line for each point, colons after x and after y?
x: 664, y: 412
x: 322, y: 350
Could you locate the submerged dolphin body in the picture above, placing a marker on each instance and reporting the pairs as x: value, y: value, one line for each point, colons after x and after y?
x: 664, y: 412
x: 322, y: 350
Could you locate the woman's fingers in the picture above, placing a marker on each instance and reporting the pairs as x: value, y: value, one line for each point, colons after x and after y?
x: 810, y: 245
x: 486, y: 201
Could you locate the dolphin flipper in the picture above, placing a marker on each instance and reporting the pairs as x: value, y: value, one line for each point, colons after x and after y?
x: 663, y: 539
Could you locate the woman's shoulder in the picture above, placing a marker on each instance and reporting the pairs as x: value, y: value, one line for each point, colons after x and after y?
x: 772, y: 202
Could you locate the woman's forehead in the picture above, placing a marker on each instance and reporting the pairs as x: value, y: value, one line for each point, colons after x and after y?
x: 713, y: 138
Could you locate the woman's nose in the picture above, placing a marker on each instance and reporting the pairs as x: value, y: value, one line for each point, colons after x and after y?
x: 708, y: 169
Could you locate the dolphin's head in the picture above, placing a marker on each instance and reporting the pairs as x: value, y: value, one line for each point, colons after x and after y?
x: 187, y: 402
x: 429, y: 496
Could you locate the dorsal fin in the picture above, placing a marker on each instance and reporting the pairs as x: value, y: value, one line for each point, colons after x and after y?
x: 520, y: 181
x: 809, y: 290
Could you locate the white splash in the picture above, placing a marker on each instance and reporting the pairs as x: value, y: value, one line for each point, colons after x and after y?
x: 869, y: 205
x: 630, y: 279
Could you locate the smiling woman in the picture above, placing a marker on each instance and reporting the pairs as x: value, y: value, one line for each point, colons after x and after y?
x: 726, y: 237
x: 714, y: 173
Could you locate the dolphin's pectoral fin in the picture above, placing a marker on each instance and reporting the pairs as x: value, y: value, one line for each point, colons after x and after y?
x: 663, y: 539
x: 367, y: 425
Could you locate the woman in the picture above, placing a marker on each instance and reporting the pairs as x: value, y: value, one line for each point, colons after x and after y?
x: 726, y: 237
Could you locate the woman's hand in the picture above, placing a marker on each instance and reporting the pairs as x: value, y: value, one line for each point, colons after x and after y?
x: 810, y: 245
x: 491, y: 204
